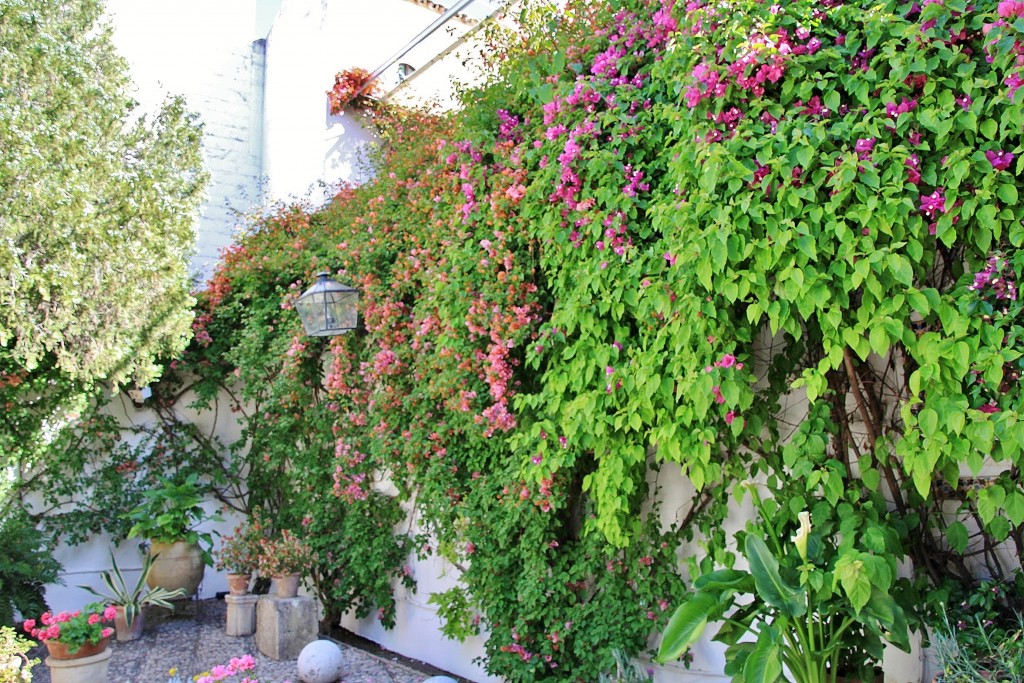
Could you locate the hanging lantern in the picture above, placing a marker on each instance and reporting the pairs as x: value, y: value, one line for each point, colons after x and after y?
x: 328, y: 307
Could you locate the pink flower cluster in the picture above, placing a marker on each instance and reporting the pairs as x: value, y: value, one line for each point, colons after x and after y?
x: 1010, y: 9
x: 762, y: 62
x: 933, y: 204
x: 349, y: 485
x: 999, y: 159
x: 221, y: 672
x: 726, y: 362
x: 995, y: 279
x: 50, y: 628
x: 604, y: 86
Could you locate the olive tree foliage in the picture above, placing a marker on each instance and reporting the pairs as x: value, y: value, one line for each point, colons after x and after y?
x: 97, y: 202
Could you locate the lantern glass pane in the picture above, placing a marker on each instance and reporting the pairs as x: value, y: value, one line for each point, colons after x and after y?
x: 340, y: 310
x: 328, y: 308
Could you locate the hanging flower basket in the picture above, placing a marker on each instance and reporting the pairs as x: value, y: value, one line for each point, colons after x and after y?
x: 351, y: 91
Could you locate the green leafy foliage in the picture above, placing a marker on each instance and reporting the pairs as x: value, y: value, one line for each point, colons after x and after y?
x: 15, y: 665
x: 26, y: 567
x: 133, y: 597
x: 96, y: 225
x: 171, y: 511
x: 815, y: 605
x: 98, y: 203
x: 740, y: 242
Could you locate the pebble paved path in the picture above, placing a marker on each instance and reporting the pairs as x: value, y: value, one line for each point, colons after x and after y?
x: 196, y: 644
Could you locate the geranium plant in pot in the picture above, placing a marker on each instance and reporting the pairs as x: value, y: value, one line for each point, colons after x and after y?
x: 128, y: 601
x: 239, y: 555
x: 169, y: 516
x: 284, y: 559
x: 69, y: 635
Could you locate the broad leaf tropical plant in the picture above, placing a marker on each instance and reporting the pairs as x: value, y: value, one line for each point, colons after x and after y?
x: 811, y: 601
x: 134, y: 598
x: 171, y: 511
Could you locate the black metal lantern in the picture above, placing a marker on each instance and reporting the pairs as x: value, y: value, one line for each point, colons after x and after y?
x: 328, y: 307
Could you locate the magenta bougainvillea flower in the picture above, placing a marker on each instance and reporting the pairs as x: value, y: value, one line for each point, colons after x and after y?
x: 999, y: 159
x: 934, y: 203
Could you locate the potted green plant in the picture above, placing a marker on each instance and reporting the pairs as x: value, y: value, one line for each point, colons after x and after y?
x: 77, y: 642
x: 169, y: 516
x: 809, y: 604
x: 128, y: 602
x: 239, y: 555
x: 284, y: 560
x: 979, y: 640
x: 70, y: 635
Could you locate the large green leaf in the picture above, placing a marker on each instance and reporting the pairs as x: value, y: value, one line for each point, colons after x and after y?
x: 725, y: 579
x: 739, y: 623
x: 736, y: 658
x: 884, y: 616
x: 771, y: 587
x: 852, y: 574
x: 686, y: 626
x: 764, y: 664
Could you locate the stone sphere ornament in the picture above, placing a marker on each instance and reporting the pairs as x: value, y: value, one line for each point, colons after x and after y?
x: 320, y: 662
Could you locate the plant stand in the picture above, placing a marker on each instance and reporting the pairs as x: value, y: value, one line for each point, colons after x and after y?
x: 284, y: 626
x: 92, y: 669
x: 241, y: 619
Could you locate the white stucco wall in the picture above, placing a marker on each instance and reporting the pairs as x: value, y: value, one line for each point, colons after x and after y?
x: 311, y: 41
x: 207, y: 52
x: 83, y: 563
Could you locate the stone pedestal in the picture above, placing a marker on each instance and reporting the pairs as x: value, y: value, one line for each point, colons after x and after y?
x: 284, y: 626
x: 82, y: 670
x: 241, y: 614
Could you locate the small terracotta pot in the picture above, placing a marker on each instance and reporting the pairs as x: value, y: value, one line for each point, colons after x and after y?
x: 286, y: 586
x: 125, y: 632
x: 238, y: 584
x: 60, y: 650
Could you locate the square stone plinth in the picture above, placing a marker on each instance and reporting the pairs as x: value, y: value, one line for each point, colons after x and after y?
x: 285, y: 625
x: 241, y: 619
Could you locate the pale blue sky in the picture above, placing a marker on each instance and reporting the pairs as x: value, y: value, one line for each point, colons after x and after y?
x: 266, y: 10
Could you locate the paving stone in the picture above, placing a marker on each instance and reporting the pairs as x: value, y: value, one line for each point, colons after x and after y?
x: 197, y: 643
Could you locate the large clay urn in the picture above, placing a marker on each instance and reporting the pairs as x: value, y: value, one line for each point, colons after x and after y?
x: 179, y: 565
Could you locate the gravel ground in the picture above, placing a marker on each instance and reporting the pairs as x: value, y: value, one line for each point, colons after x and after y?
x: 196, y: 642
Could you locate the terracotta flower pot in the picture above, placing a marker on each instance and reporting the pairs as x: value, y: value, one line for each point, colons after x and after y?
x: 286, y: 586
x: 59, y: 650
x: 180, y: 565
x: 238, y: 584
x: 125, y: 632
